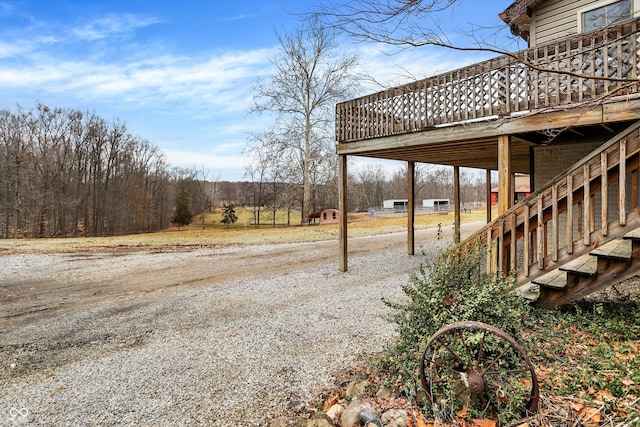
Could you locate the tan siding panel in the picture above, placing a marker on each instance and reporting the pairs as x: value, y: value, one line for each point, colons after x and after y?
x: 556, y: 18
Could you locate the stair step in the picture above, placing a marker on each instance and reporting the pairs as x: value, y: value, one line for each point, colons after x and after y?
x: 615, y: 249
x: 585, y: 265
x: 529, y: 291
x: 632, y: 235
x: 554, y: 279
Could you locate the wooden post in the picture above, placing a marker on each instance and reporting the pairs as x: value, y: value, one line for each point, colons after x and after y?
x: 540, y: 233
x: 505, y: 190
x: 411, y: 207
x: 554, y: 223
x: 526, y: 241
x: 604, y: 193
x: 342, y: 206
x: 622, y: 184
x: 569, y: 219
x: 488, y: 196
x: 456, y: 203
x: 586, y: 215
x: 513, y: 260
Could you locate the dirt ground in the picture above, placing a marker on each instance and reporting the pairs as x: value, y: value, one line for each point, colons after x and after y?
x: 66, y: 312
x: 68, y: 315
x: 101, y: 276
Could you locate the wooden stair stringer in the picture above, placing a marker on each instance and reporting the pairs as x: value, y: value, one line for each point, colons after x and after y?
x: 616, y: 231
x: 616, y: 261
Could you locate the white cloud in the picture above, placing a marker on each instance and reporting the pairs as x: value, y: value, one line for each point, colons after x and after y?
x: 235, y: 18
x: 112, y: 24
x: 222, y: 81
x: 230, y: 166
x: 406, y: 66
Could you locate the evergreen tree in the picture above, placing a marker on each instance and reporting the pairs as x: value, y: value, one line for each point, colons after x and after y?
x: 182, y: 215
x: 229, y: 215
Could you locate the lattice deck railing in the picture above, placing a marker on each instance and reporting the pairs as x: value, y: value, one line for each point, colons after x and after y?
x: 564, y: 218
x: 500, y: 86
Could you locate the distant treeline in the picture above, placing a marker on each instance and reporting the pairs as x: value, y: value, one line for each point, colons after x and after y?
x: 65, y: 172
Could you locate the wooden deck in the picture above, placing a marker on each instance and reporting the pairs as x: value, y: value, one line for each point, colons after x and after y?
x: 551, y: 77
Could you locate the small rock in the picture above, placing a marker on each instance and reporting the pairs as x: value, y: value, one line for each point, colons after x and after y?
x: 384, y: 393
x: 356, y: 390
x: 395, y: 418
x: 317, y: 420
x: 320, y: 420
x: 351, y: 415
x: 335, y: 411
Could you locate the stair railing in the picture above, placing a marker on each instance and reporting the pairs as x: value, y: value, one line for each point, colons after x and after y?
x: 570, y: 214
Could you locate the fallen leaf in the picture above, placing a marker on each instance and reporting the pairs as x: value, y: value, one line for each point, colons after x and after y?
x: 627, y: 381
x: 331, y: 400
x: 591, y: 416
x: 421, y: 422
x: 483, y: 423
x: 576, y: 406
x: 603, y: 395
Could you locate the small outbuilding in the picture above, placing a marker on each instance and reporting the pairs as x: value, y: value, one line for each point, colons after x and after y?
x: 327, y: 216
x: 395, y: 205
x: 436, y: 205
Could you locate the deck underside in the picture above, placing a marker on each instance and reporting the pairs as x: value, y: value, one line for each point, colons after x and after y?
x: 475, y: 145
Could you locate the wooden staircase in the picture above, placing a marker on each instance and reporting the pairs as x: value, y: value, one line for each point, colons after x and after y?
x: 577, y: 234
x: 607, y: 265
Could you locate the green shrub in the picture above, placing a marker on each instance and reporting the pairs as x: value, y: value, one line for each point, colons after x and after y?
x: 581, y: 349
x: 448, y: 289
x: 453, y: 288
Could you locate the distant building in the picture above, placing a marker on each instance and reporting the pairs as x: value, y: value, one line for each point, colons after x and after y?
x: 327, y: 216
x: 521, y: 190
x: 395, y: 205
x: 436, y: 205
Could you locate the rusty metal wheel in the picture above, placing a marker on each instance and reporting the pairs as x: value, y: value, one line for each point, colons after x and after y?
x: 481, y: 369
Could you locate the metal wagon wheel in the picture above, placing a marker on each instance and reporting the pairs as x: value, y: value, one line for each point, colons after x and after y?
x: 478, y: 367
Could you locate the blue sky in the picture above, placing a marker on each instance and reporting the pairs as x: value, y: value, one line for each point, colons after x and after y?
x: 179, y: 73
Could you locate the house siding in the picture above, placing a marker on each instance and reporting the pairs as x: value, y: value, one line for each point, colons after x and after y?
x: 555, y: 19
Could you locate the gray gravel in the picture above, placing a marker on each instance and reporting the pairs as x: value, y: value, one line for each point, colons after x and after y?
x: 143, y: 338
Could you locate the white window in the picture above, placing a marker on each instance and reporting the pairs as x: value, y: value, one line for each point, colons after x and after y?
x: 604, y: 13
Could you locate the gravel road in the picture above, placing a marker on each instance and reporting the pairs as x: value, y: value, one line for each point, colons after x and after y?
x: 219, y: 337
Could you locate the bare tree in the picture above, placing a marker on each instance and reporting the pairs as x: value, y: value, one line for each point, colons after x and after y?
x: 309, y: 78
x: 262, y: 169
x: 409, y: 24
x: 65, y: 172
x: 372, y: 180
x: 395, y: 22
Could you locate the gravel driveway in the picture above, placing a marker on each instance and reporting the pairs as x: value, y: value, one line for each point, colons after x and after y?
x: 219, y: 337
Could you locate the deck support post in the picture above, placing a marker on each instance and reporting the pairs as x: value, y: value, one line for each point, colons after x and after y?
x: 342, y: 207
x: 411, y: 167
x: 456, y: 204
x: 488, y: 198
x: 505, y: 181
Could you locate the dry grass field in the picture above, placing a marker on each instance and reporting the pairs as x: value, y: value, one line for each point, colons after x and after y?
x: 243, y: 232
